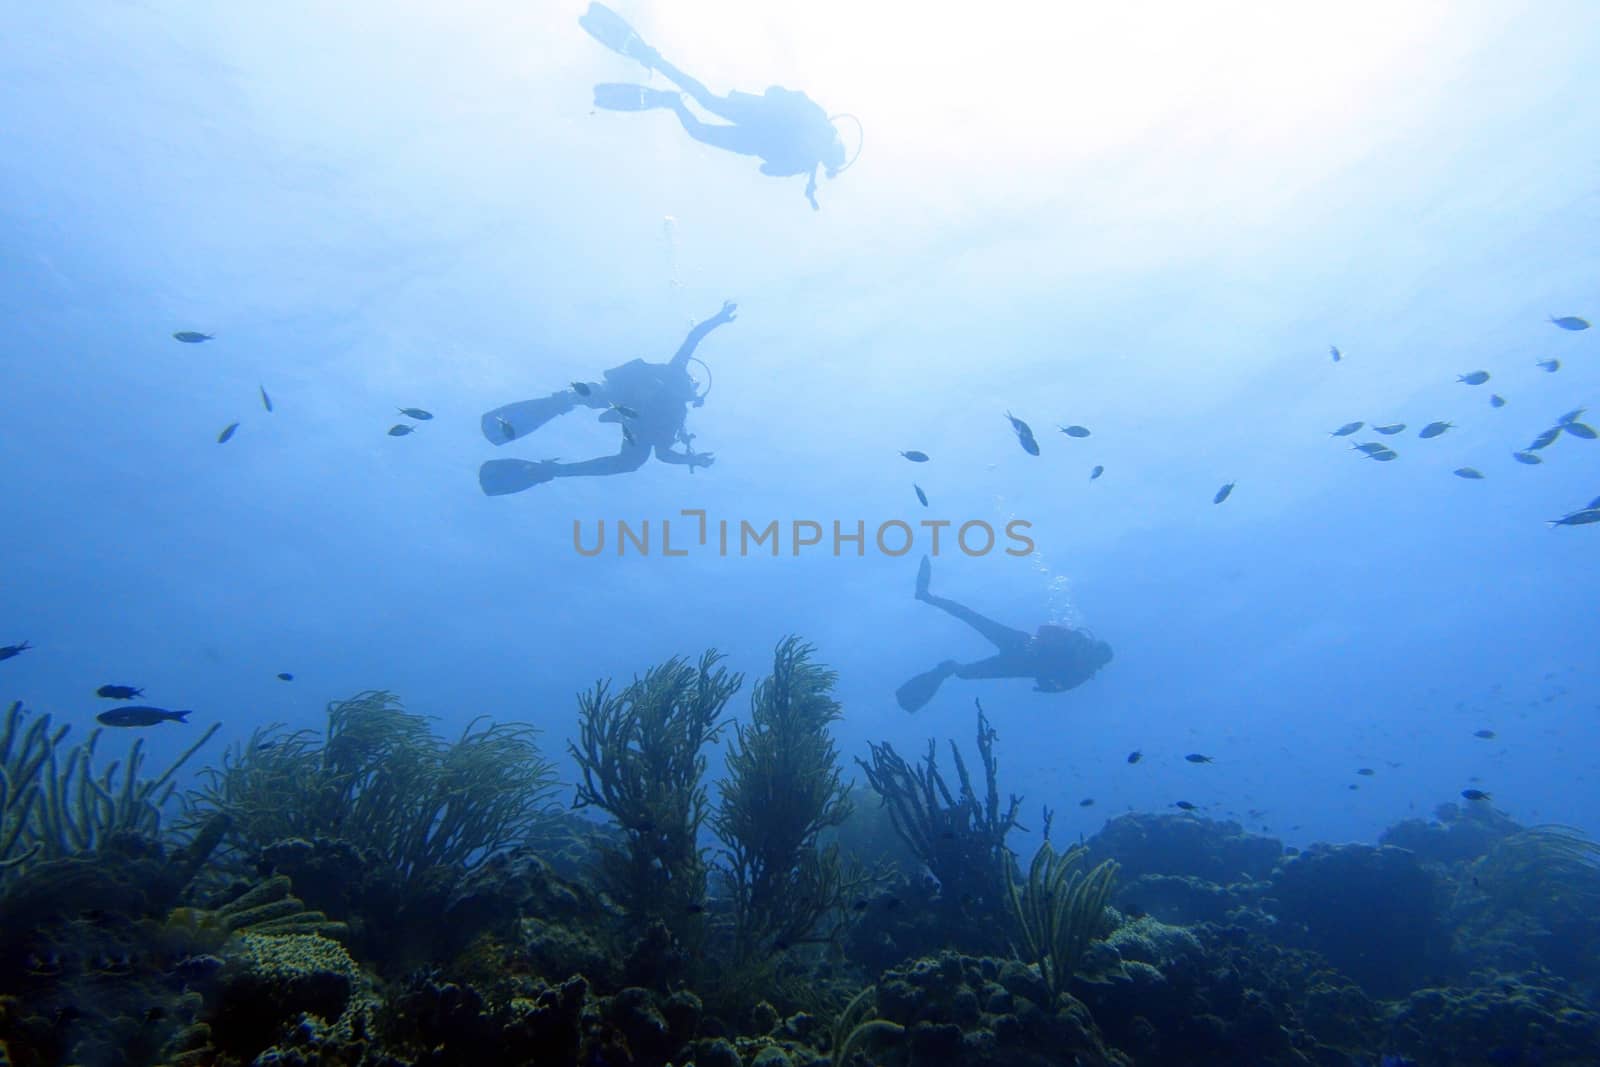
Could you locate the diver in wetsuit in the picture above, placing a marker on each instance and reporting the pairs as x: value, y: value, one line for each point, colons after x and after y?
x: 649, y: 400
x: 1057, y: 658
x: 787, y: 129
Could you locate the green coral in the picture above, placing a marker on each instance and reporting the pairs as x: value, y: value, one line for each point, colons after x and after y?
x: 285, y: 957
x: 1060, y: 910
x: 639, y: 751
x: 782, y: 790
x: 383, y: 782
x: 54, y: 804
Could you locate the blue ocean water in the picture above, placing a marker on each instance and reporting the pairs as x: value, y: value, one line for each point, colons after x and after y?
x: 1151, y: 226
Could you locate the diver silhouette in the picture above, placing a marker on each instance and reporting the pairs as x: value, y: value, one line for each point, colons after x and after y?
x: 784, y: 127
x: 650, y: 400
x: 1057, y: 658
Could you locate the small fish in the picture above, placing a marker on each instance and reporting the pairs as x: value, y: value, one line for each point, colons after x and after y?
x: 1549, y: 366
x: 1578, y: 518
x: 1135, y: 756
x: 400, y: 429
x: 1572, y: 416
x: 1487, y: 735
x: 1570, y: 322
x: 1097, y: 472
x: 581, y: 388
x: 415, y: 413
x: 1024, y: 435
x: 923, y: 497
x: 627, y: 436
x: 1496, y: 400
x: 13, y: 650
x: 118, y: 692
x: 625, y: 411
x: 1086, y: 802
x: 1333, y: 350
x: 139, y: 715
x: 1580, y: 429
x: 1477, y: 377
x: 1195, y: 757
x: 915, y: 456
x: 1075, y: 431
x: 1434, y: 429
x: 266, y: 401
x: 285, y: 676
x: 1529, y: 458
x: 1545, y: 439
x: 227, y: 432
x: 1383, y: 456
x: 1222, y: 494
x: 1366, y: 772
x: 1370, y: 447
x: 509, y: 432
x: 1470, y: 473
x: 1392, y: 428
x: 1184, y: 804
x: 1474, y: 794
x: 1347, y: 429
x: 189, y: 337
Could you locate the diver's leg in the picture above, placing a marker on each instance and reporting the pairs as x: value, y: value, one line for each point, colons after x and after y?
x: 1002, y: 637
x: 511, y: 421
x: 1002, y: 666
x: 629, y: 459
x: 727, y: 138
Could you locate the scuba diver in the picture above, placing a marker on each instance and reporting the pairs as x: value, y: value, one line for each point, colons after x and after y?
x: 649, y: 400
x: 786, y: 128
x: 1057, y: 658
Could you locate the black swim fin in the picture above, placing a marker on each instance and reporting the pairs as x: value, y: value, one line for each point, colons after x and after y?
x: 919, y: 690
x: 613, y: 31
x: 499, y: 477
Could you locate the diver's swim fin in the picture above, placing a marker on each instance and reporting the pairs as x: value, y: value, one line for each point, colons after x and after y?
x: 919, y: 690
x: 613, y: 31
x: 621, y: 96
x: 499, y: 477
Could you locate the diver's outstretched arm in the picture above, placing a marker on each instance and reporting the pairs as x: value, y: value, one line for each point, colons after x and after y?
x: 680, y: 359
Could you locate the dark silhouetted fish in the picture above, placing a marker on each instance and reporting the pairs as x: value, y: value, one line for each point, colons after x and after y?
x: 8, y: 651
x: 1487, y: 735
x: 1369, y: 448
x: 400, y: 429
x: 915, y: 456
x: 581, y: 388
x: 1346, y: 430
x: 1530, y: 458
x: 1195, y: 757
x: 1024, y: 435
x: 1392, y: 428
x: 1580, y: 429
x: 1135, y: 756
x: 1545, y: 439
x: 1097, y: 472
x: 1578, y: 518
x: 1366, y: 772
x: 1475, y: 794
x: 1333, y: 350
x: 1184, y: 804
x: 920, y: 494
x: 266, y: 401
x: 1570, y: 322
x: 227, y: 433
x: 1572, y: 416
x: 1497, y: 401
x: 509, y: 432
x: 1223, y: 493
x: 1434, y: 429
x: 625, y: 411
x: 415, y: 413
x: 1549, y: 366
x: 139, y: 715
x: 285, y: 676
x: 1477, y: 377
x: 190, y: 337
x: 1472, y: 473
x: 1383, y: 455
x: 1075, y: 431
x: 118, y: 692
x: 1086, y: 802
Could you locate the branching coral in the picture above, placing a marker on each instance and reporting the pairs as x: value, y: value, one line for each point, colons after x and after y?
x: 640, y: 754
x: 959, y: 837
x: 1060, y: 911
x: 381, y: 781
x: 782, y: 790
